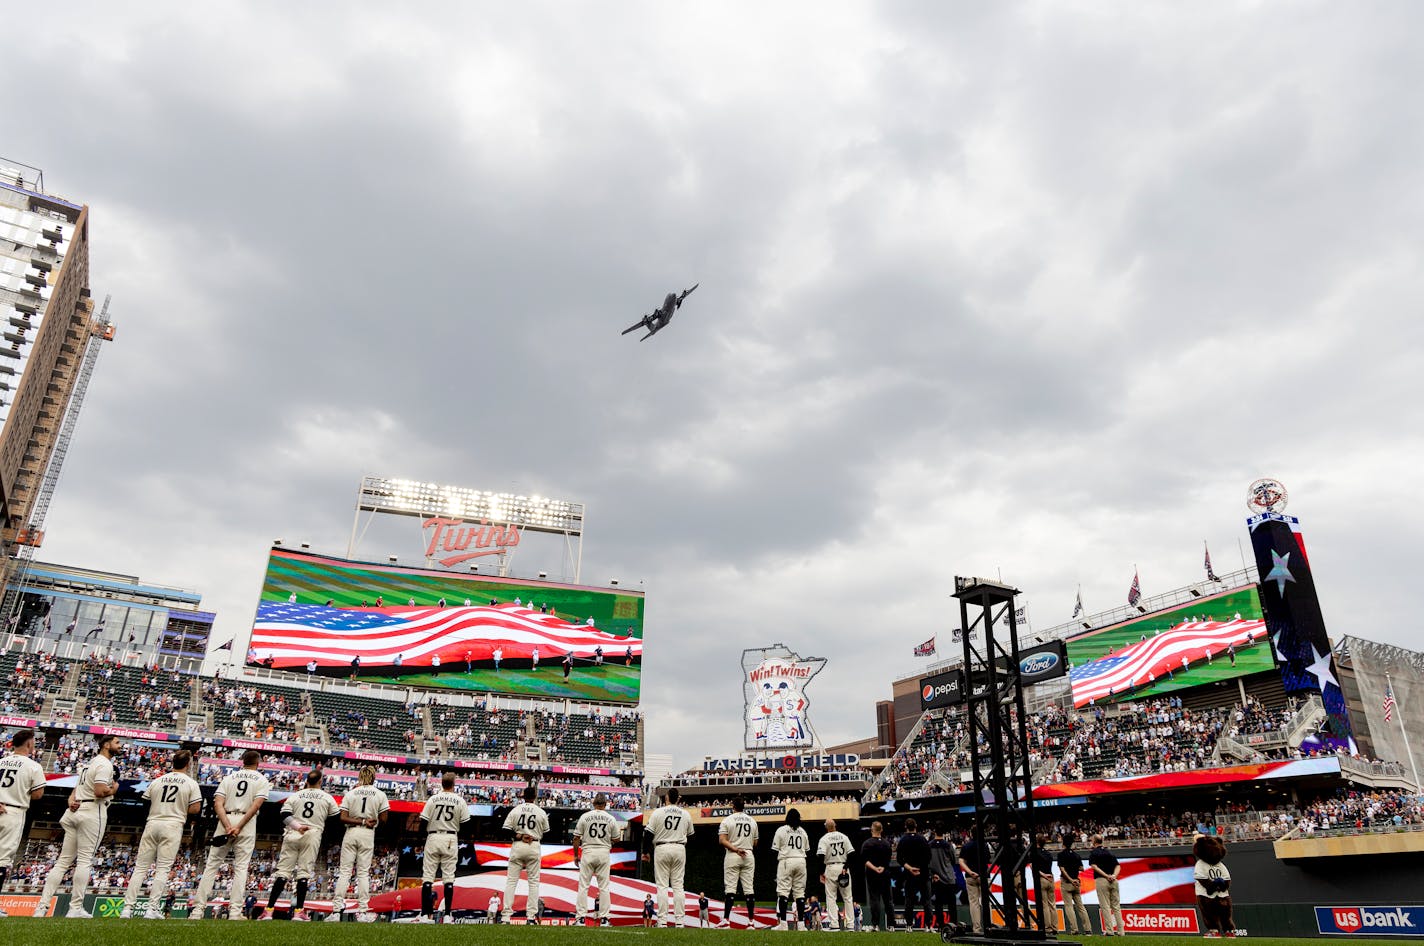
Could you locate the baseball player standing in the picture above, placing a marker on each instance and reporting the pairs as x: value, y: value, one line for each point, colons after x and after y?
x: 594, y: 836
x: 791, y: 846
x: 362, y: 808
x: 84, y: 824
x: 22, y: 780
x: 529, y: 824
x: 304, y: 815
x: 238, y: 800
x: 443, y: 814
x: 738, y: 834
x: 833, y: 849
x: 671, y: 826
x: 172, y: 798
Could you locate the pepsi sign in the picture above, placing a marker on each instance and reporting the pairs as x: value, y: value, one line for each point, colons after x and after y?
x: 1362, y: 921
x: 942, y: 689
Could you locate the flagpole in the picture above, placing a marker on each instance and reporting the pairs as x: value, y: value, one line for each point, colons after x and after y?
x: 1405, y: 733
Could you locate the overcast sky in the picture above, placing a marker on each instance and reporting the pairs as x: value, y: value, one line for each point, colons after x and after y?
x: 1029, y: 288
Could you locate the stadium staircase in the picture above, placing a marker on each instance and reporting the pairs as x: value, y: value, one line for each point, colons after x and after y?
x: 887, y: 774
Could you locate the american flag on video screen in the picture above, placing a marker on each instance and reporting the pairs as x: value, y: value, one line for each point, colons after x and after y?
x: 1115, y: 674
x: 292, y: 634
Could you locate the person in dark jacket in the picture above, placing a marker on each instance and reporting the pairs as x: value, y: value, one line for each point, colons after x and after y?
x: 913, y: 853
x: 876, y: 854
x: 942, y: 886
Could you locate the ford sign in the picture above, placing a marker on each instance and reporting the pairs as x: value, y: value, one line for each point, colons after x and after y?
x: 1038, y: 663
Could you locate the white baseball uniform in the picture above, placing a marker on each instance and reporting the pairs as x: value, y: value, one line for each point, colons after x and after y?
x: 169, y: 798
x: 83, y: 830
x: 241, y: 792
x: 525, y: 819
x: 671, y: 826
x: 596, y: 831
x: 359, y: 843
x: 20, y: 775
x: 791, y: 846
x: 741, y: 830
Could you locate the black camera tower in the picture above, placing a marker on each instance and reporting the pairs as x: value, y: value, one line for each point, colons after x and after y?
x: 998, y: 745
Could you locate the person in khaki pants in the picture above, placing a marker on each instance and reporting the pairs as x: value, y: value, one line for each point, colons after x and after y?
x: 172, y: 799
x: 1042, y: 862
x: 974, y: 864
x: 1105, y: 879
x: 1070, y: 865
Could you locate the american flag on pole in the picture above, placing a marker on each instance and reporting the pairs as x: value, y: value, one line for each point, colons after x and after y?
x: 1388, y: 703
x: 1143, y: 663
x: 1134, y: 594
x: 292, y: 634
x: 927, y: 649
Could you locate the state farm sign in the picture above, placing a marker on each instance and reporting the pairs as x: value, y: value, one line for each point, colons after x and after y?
x: 1160, y: 920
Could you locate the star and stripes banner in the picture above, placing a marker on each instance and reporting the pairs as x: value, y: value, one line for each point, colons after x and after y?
x: 1140, y: 664
x: 559, y: 889
x: 290, y: 635
x: 489, y: 856
x: 1191, y: 778
x: 1166, y: 878
x: 1134, y: 594
x: 927, y: 649
x: 1388, y: 703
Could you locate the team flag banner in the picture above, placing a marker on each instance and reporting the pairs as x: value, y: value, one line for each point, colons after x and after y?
x: 1134, y: 594
x: 927, y: 649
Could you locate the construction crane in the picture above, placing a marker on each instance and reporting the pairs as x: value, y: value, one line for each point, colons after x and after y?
x: 101, y: 330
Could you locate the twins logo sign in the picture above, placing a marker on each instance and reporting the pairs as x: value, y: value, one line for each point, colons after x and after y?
x: 1353, y: 921
x: 774, y: 690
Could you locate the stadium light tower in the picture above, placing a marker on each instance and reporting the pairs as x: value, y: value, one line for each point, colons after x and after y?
x: 1002, y: 776
x: 441, y: 506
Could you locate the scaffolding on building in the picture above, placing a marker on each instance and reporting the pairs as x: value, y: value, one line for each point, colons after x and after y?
x: 101, y: 330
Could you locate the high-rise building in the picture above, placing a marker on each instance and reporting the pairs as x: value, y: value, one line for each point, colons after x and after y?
x: 48, y: 320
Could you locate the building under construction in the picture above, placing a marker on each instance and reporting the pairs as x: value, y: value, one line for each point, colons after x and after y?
x: 52, y: 334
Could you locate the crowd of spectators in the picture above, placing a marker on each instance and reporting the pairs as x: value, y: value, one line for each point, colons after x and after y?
x: 113, y: 865
x: 29, y: 683
x: 1354, y: 810
x: 259, y: 714
x: 1138, y: 738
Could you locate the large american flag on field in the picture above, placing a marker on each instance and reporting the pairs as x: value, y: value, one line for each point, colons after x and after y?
x: 292, y: 634
x: 1145, y: 662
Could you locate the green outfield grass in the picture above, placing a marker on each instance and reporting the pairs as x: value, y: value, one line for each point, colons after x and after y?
x: 112, y: 932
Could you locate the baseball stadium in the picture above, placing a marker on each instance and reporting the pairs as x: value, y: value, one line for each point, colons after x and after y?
x: 1219, y: 713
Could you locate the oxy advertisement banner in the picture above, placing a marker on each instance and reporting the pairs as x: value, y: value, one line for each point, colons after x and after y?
x: 1371, y: 920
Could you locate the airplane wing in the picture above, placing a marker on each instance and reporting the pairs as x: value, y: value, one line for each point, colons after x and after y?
x: 654, y: 331
x: 641, y: 323
x: 687, y: 292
